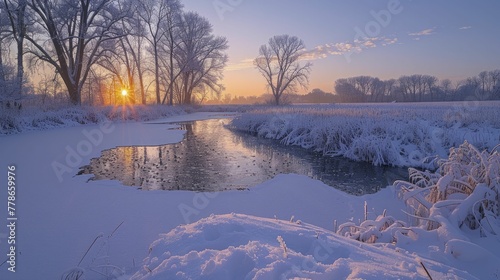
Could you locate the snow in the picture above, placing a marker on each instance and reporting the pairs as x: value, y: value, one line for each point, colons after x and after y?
x: 236, y: 246
x: 44, y: 117
x: 67, y: 225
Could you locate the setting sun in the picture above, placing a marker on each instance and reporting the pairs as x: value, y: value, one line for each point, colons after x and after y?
x: 124, y: 92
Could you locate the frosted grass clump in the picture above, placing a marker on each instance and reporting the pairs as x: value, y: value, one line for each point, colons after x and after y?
x: 462, y: 195
x: 464, y: 190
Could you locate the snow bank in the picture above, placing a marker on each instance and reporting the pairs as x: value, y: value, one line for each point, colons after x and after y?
x: 34, y: 118
x: 236, y: 246
x: 49, y: 116
x: 383, y: 134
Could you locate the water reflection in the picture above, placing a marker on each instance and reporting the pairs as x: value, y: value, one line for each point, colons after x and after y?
x: 213, y: 158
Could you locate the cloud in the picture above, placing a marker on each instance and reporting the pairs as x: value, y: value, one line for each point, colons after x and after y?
x: 389, y: 41
x: 325, y: 50
x: 465, y: 27
x: 345, y: 48
x: 425, y: 32
x: 242, y: 64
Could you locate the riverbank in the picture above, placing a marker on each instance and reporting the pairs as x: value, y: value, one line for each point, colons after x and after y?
x: 45, y: 117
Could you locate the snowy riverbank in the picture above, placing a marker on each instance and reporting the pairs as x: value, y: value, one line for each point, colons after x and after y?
x: 383, y: 134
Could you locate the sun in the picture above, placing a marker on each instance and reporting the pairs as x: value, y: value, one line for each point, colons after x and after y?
x: 124, y: 92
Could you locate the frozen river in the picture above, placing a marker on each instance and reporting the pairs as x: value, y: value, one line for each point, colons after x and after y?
x: 214, y: 158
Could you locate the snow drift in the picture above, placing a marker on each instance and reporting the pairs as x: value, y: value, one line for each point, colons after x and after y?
x: 236, y: 246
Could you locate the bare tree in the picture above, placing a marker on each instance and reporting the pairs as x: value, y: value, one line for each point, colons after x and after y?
x: 489, y: 84
x: 116, y: 62
x: 430, y: 83
x: 158, y: 15
x: 201, y: 58
x: 134, y: 46
x: 413, y: 86
x: 16, y: 15
x: 495, y: 80
x: 361, y: 88
x: 124, y: 58
x: 445, y: 86
x: 76, y: 30
x: 347, y: 91
x: 279, y: 63
x: 5, y: 38
x: 172, y: 26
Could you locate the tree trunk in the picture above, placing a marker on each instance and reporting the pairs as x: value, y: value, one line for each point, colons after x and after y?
x: 276, y: 99
x: 157, y: 76
x: 20, y: 65
x: 74, y: 94
x: 2, y: 72
x: 143, y: 94
x: 171, y: 88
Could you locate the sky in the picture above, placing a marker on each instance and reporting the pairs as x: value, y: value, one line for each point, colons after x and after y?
x: 386, y: 39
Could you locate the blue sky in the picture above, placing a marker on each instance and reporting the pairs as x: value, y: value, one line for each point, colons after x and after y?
x: 386, y: 39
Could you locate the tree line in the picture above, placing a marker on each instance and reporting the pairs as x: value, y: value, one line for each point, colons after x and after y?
x: 418, y: 88
x: 413, y: 88
x: 94, y: 49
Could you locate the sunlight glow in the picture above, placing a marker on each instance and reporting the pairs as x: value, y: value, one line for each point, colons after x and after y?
x: 124, y: 92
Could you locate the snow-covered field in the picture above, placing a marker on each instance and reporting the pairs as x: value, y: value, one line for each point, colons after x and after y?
x: 384, y: 134
x: 67, y: 226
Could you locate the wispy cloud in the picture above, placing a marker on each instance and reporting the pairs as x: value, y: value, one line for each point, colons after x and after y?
x: 243, y: 64
x: 345, y: 48
x: 425, y: 32
x: 325, y: 50
x: 465, y: 27
x: 389, y: 41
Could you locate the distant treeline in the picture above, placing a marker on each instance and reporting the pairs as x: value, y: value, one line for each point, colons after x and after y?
x: 413, y: 88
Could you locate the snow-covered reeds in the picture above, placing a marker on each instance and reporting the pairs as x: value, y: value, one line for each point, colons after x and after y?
x: 462, y: 195
x: 383, y: 134
x: 99, y: 263
x: 464, y: 189
x: 39, y: 118
x: 47, y: 116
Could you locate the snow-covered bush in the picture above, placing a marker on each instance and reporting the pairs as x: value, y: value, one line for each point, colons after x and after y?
x: 382, y: 229
x: 464, y: 189
x: 462, y: 193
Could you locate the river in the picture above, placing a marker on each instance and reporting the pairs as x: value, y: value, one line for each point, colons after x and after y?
x: 214, y: 158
